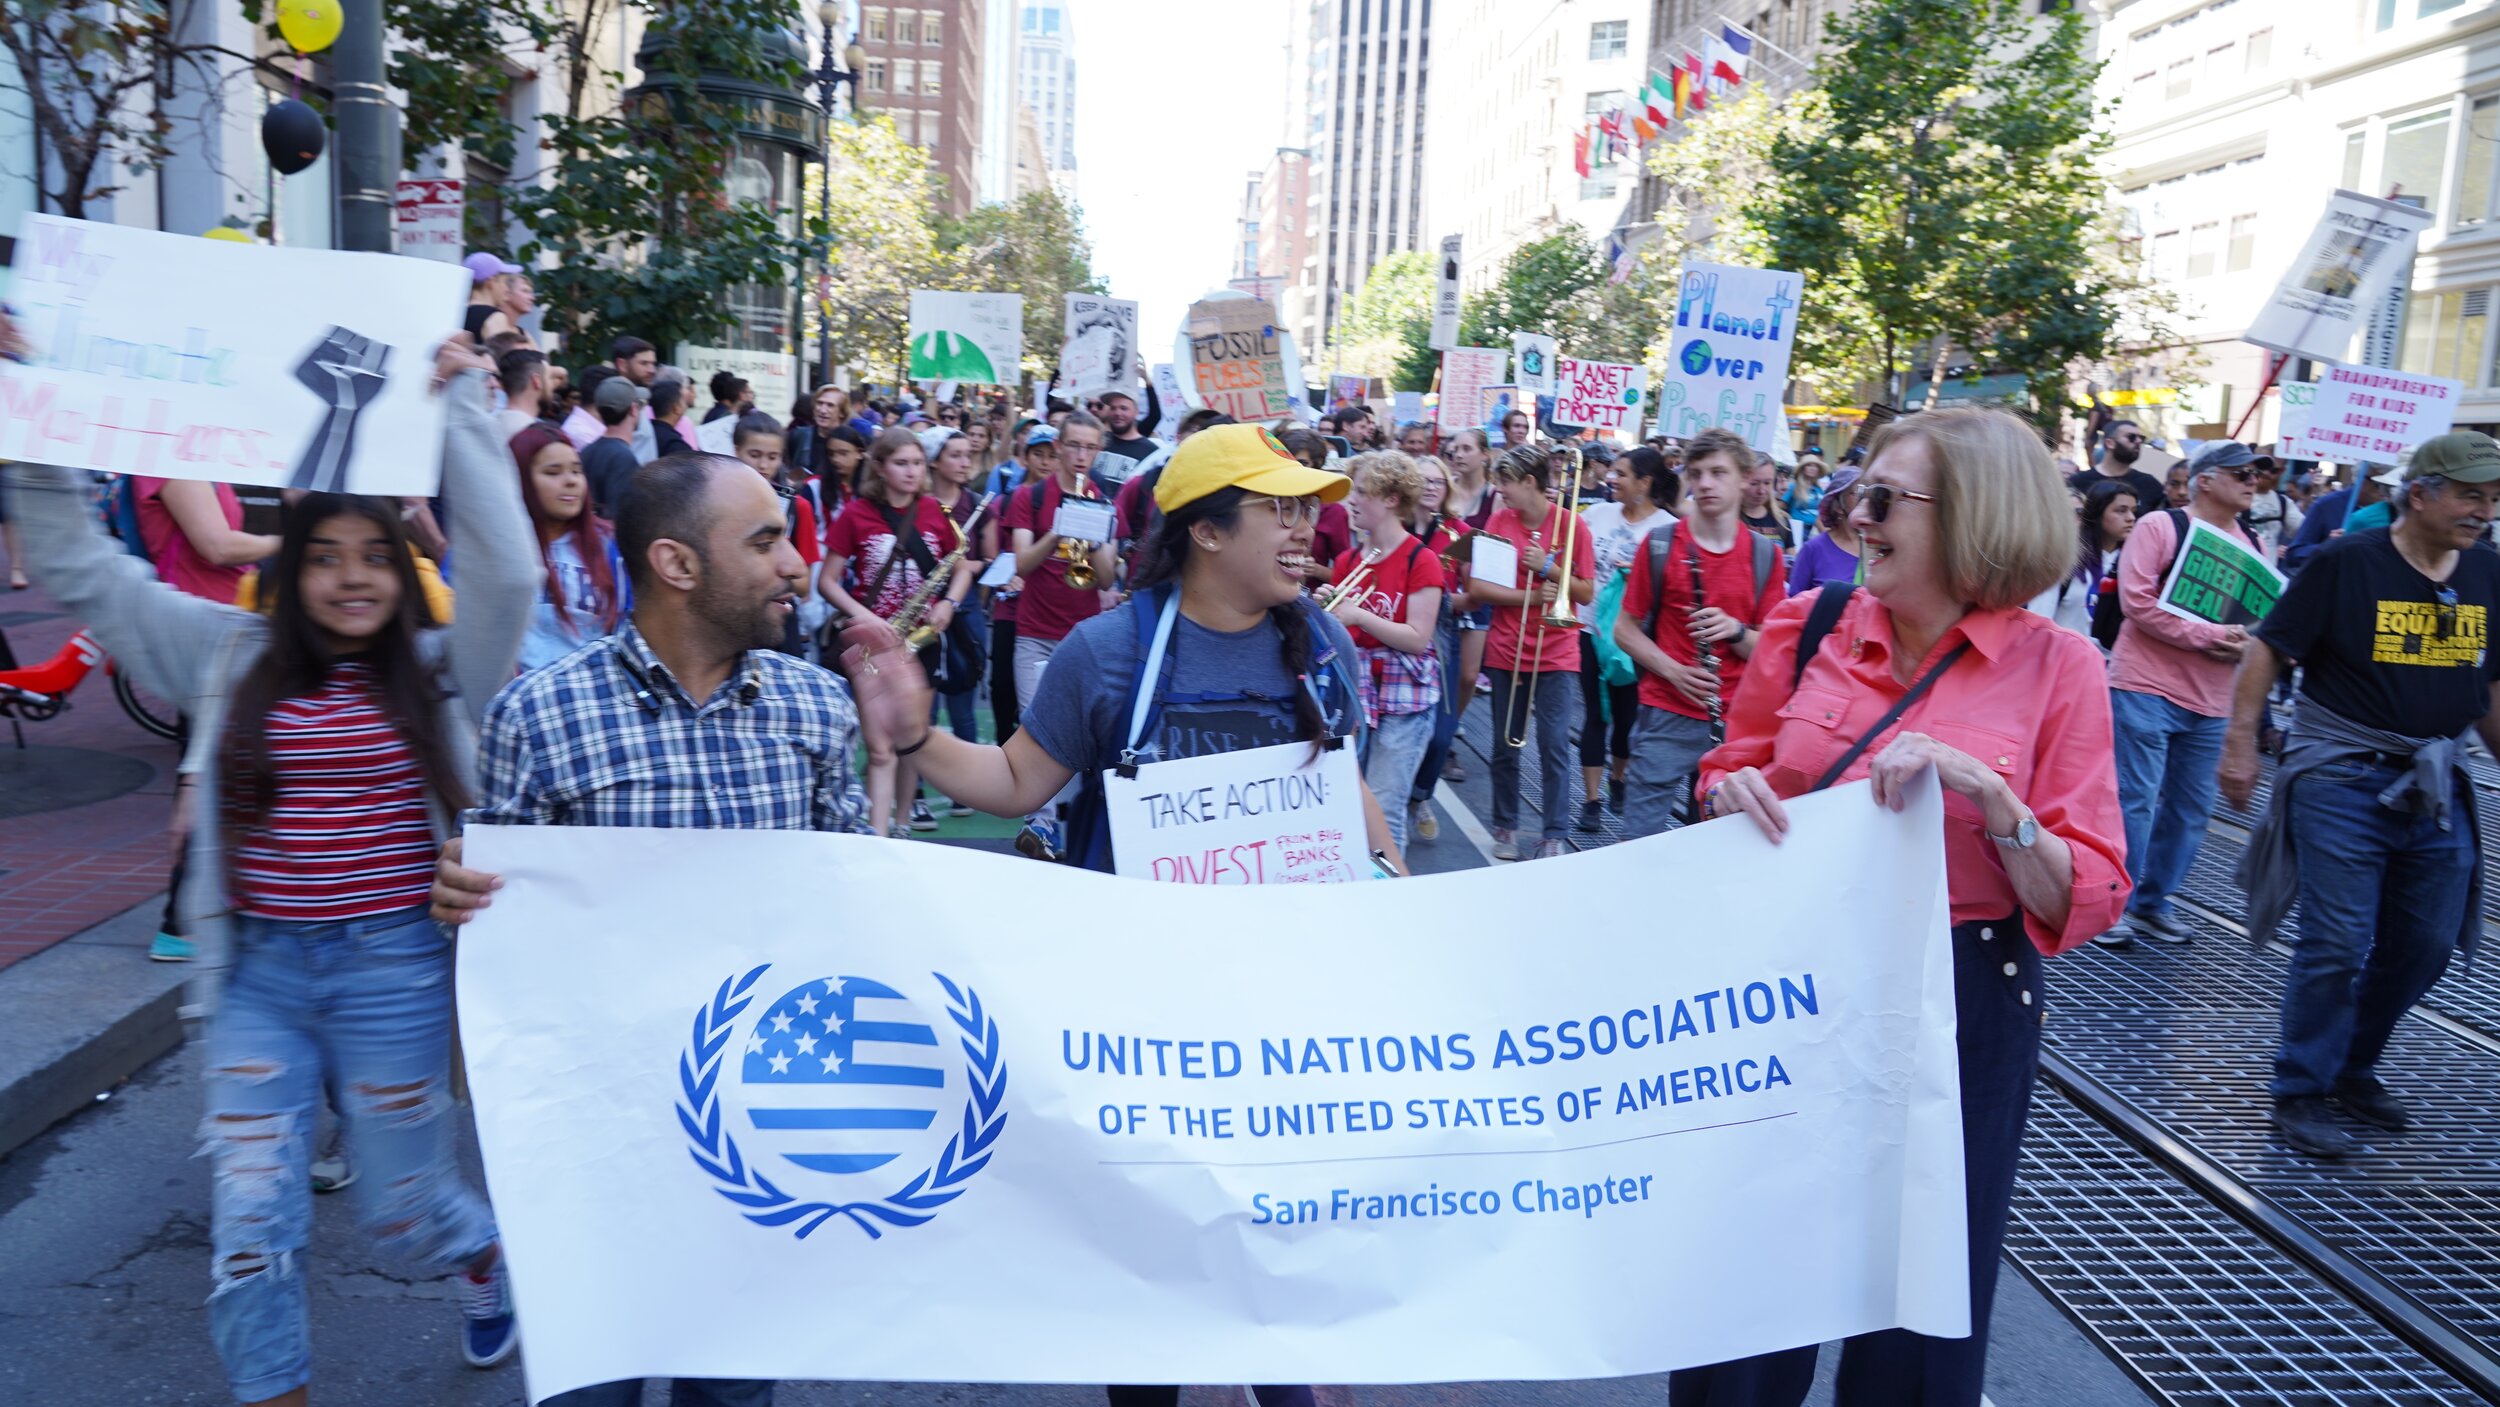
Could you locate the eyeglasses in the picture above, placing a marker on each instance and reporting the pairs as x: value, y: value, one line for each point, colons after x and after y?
x: 2447, y: 598
x: 1878, y: 499
x: 2244, y: 474
x: 1293, y: 512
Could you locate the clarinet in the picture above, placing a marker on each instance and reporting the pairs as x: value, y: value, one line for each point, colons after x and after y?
x: 1709, y: 653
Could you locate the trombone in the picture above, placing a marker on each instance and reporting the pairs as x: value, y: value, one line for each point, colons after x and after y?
x: 1557, y: 616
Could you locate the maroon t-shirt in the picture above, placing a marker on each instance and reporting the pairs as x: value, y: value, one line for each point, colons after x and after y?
x: 1049, y: 608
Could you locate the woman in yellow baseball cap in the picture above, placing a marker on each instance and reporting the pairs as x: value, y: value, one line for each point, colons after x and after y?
x: 1218, y: 651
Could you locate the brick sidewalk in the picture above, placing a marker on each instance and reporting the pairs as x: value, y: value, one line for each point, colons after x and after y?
x: 64, y: 871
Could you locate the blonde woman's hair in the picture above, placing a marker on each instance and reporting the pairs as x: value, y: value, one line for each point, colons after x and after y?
x: 1385, y: 473
x: 2003, y: 516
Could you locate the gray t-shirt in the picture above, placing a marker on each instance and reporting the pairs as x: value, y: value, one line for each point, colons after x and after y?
x: 1080, y: 712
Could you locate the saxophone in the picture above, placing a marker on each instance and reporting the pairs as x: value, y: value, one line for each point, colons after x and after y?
x: 907, y: 621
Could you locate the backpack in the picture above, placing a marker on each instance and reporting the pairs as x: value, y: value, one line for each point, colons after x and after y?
x: 118, y: 504
x: 2107, y: 616
x: 1089, y: 819
x: 1766, y: 560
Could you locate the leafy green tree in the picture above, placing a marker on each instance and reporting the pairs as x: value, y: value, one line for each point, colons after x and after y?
x: 1035, y: 245
x: 1387, y: 327
x: 1939, y: 181
x: 882, y: 240
x: 642, y: 230
x: 1560, y: 285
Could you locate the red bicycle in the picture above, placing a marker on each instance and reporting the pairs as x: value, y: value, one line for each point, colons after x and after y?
x: 36, y: 693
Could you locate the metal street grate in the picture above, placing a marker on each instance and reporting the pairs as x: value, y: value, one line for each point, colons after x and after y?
x: 2197, y: 1307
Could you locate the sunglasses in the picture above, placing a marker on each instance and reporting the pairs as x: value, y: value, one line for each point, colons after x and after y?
x: 2244, y: 474
x: 1294, y: 512
x: 1877, y: 499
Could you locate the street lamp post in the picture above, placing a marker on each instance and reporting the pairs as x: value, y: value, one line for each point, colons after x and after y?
x: 829, y: 80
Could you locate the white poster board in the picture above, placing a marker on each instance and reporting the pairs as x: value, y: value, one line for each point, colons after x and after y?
x: 1727, y: 354
x: 2342, y: 271
x: 974, y: 337
x: 1532, y: 355
x: 1266, y: 815
x: 191, y: 358
x: 1100, y: 350
x: 1445, y: 298
x: 1598, y: 395
x: 1283, y: 1133
x: 1465, y: 373
x: 2292, y: 414
x: 2367, y: 416
x: 774, y: 375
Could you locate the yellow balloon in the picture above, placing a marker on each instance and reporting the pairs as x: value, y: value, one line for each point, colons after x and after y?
x: 227, y: 233
x: 310, y: 25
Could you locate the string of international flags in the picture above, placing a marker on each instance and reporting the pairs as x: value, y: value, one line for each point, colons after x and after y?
x: 1664, y: 99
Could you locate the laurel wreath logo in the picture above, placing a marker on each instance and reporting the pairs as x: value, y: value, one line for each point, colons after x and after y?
x: 716, y: 1151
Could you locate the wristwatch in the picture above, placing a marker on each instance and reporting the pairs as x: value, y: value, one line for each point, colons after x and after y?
x: 2026, y: 834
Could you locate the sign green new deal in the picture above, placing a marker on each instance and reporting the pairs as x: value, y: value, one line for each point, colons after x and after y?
x: 2216, y: 579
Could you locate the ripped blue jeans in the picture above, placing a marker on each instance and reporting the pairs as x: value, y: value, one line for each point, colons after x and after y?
x: 363, y: 1007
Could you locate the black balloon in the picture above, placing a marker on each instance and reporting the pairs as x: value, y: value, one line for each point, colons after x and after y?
x: 292, y: 134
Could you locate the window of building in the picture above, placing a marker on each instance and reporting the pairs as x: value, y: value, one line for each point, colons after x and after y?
x: 1609, y: 39
x: 1050, y: 21
x: 876, y: 76
x: 907, y: 77
x: 1598, y: 188
x: 2242, y: 251
x: 2146, y: 87
x: 1032, y: 21
x: 2200, y: 248
x: 932, y: 129
x: 2259, y: 55
x: 2444, y: 334
x: 2475, y: 163
x: 929, y: 70
x: 2394, y: 12
x: 2219, y: 65
x: 2180, y: 77
x: 876, y: 27
x: 2166, y: 254
x: 932, y: 28
x: 2415, y: 160
x: 906, y: 27
x: 2354, y: 142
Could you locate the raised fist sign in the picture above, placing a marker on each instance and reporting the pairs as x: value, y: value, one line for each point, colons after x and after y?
x: 346, y: 371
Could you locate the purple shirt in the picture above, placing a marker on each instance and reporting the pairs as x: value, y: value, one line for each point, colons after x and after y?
x: 1819, y: 561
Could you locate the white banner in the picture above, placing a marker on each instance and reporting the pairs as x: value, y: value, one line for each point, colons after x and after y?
x: 2366, y: 416
x: 1419, y: 1130
x: 2291, y: 427
x: 1532, y: 355
x: 1099, y: 352
x: 1445, y: 297
x: 1727, y: 362
x: 2340, y: 274
x: 256, y: 364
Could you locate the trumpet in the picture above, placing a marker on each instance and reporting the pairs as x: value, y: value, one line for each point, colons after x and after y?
x: 1079, y: 558
x: 907, y: 622
x: 1331, y: 597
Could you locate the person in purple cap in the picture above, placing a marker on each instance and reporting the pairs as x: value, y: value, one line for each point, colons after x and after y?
x: 490, y: 279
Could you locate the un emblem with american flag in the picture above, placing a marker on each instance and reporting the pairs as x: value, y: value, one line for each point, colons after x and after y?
x: 844, y: 1097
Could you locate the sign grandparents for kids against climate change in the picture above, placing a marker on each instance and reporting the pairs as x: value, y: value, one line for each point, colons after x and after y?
x: 1727, y: 362
x: 1266, y: 1154
x: 2364, y: 414
x: 190, y: 358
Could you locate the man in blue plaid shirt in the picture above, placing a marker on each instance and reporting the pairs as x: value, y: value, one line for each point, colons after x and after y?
x: 686, y: 716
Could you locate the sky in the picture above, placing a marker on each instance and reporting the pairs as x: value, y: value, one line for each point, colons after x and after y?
x: 1175, y: 105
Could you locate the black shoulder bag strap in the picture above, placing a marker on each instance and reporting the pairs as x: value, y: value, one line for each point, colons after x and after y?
x: 1918, y: 690
x: 1829, y: 602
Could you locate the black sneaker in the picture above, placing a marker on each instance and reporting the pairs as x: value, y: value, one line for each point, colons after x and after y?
x: 1592, y: 818
x: 2308, y: 1125
x: 2163, y: 927
x: 2120, y: 935
x: 921, y: 820
x: 1614, y: 796
x: 2364, y: 1098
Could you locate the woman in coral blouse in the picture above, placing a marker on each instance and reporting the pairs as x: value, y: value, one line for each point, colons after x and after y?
x: 1963, y: 521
